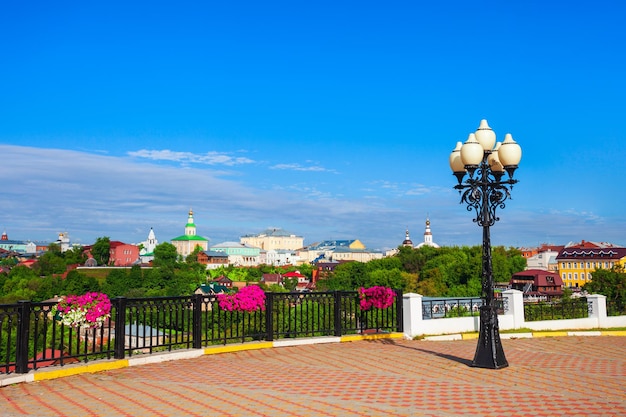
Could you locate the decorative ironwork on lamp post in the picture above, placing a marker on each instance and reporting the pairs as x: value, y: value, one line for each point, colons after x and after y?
x: 485, y: 162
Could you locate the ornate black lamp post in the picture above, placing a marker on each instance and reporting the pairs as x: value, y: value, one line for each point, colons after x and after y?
x: 483, y: 191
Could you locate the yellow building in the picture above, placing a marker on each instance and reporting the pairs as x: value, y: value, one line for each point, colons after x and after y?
x: 576, y: 263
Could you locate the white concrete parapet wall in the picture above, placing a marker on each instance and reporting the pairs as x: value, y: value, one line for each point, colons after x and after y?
x: 513, y: 318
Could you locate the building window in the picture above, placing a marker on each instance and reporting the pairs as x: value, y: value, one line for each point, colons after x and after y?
x: 588, y: 265
x: 564, y: 277
x: 569, y: 276
x: 582, y: 276
x: 576, y: 275
x: 569, y: 265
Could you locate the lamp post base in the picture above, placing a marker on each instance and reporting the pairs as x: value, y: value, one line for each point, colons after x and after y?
x: 489, y: 352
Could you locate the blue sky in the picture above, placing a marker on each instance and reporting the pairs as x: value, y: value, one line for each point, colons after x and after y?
x: 332, y: 120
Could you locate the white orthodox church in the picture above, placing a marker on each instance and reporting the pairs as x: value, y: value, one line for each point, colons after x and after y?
x: 428, y: 237
x: 147, y: 247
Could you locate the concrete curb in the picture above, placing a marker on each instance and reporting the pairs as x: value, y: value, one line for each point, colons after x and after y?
x: 525, y: 335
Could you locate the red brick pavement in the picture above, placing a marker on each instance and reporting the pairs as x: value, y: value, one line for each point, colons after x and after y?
x: 556, y: 376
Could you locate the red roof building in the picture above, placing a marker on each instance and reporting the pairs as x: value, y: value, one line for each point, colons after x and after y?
x: 537, y: 283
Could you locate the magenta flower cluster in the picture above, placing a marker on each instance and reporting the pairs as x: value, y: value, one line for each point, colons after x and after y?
x: 87, y: 310
x: 379, y: 297
x: 250, y: 298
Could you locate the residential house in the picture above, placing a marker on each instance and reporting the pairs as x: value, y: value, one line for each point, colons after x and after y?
x: 537, y: 284
x: 542, y: 257
x: 303, y: 282
x: 224, y: 281
x: 322, y: 270
x: 271, y: 279
x: 213, y: 259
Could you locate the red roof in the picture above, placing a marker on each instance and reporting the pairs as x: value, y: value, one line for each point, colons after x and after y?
x: 293, y: 274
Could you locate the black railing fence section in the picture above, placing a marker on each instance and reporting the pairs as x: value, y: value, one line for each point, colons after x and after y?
x: 31, y: 338
x: 444, y: 308
x: 575, y: 308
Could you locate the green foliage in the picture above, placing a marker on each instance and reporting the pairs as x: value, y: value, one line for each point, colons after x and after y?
x: 612, y: 284
x: 101, y: 250
x: 447, y: 271
x: 290, y: 284
x: 165, y: 256
x: 79, y: 283
x: 75, y: 255
x: 51, y: 262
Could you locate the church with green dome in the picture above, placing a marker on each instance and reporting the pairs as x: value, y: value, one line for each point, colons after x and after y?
x: 187, y: 243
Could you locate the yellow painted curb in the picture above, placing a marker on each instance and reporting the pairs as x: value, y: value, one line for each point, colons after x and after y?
x: 549, y: 334
x: 469, y: 336
x: 613, y: 332
x: 75, y: 370
x: 237, y: 348
x: 357, y: 337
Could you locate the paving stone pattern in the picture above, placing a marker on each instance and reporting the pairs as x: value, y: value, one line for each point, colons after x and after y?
x: 556, y: 376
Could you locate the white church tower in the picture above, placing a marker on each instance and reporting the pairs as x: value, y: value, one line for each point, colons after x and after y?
x: 428, y: 237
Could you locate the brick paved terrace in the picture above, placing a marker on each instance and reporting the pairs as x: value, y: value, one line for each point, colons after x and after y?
x: 553, y: 376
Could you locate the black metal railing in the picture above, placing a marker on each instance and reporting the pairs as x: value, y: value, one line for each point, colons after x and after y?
x: 576, y: 308
x: 615, y: 308
x: 31, y: 338
x: 445, y: 308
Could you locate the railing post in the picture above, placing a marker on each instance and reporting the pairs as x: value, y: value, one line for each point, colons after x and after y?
x: 120, y: 324
x: 596, y: 308
x: 399, y: 311
x: 197, y: 300
x: 269, y: 315
x: 23, y: 334
x: 337, y: 313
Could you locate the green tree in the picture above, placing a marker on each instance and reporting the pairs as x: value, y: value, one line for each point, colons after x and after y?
x: 290, y: 284
x: 165, y: 256
x: 20, y: 284
x: 391, y: 278
x: 117, y: 283
x: 101, y: 250
x: 79, y: 283
x: 51, y: 262
x: 76, y: 255
x: 611, y: 283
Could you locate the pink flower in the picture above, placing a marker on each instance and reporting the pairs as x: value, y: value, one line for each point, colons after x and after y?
x: 89, y: 309
x: 251, y: 298
x: 378, y: 296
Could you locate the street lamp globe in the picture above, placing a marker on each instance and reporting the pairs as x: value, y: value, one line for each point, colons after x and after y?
x: 485, y: 135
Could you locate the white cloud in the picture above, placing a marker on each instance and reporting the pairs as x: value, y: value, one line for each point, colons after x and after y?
x: 298, y: 167
x: 209, y: 158
x: 47, y: 191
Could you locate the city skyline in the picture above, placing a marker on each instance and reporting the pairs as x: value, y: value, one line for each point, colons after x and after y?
x: 331, y: 121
